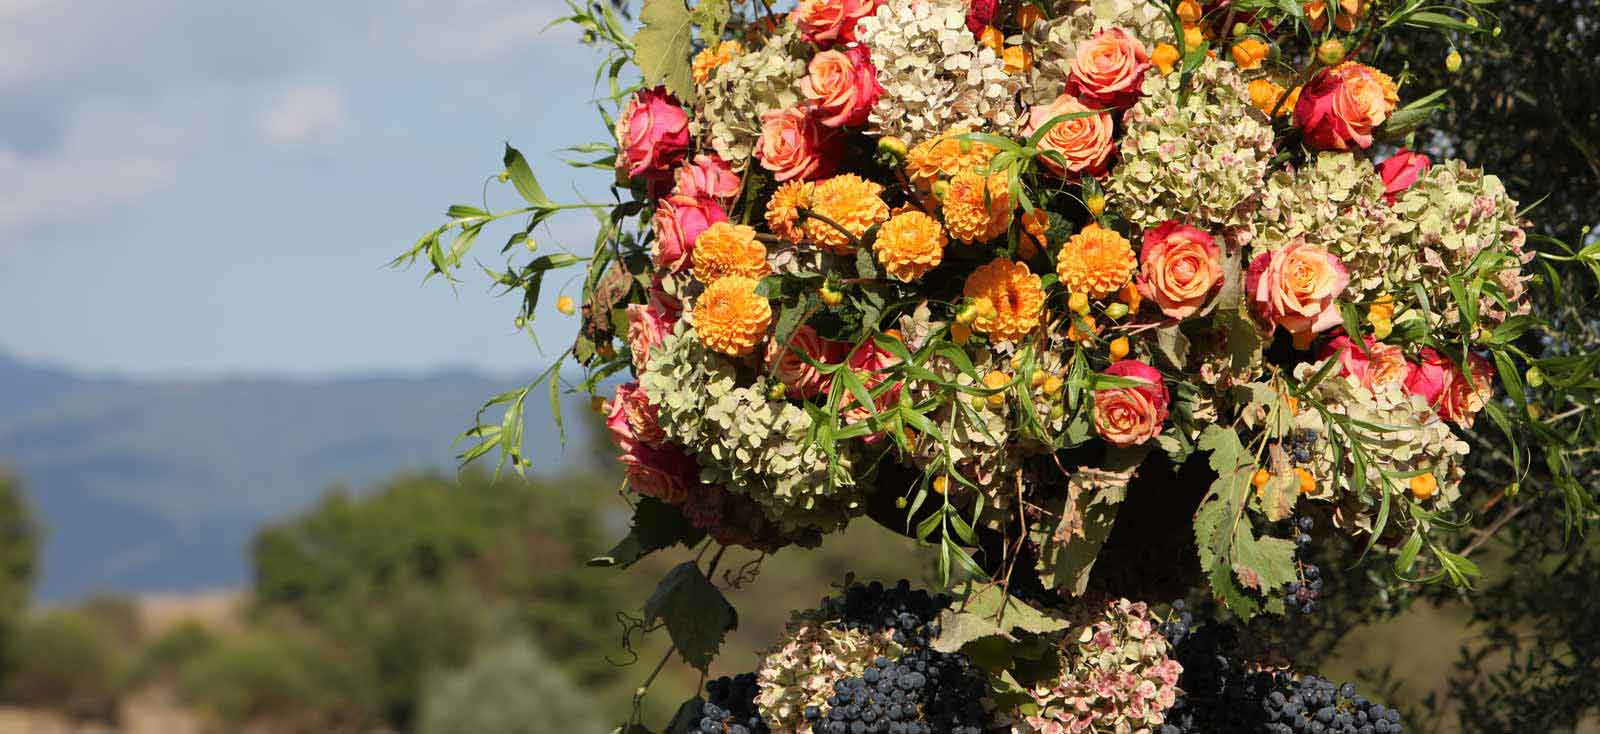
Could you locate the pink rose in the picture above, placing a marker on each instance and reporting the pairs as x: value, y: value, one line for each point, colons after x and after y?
x: 678, y: 222
x: 632, y: 418
x: 1464, y: 395
x: 648, y: 325
x: 1428, y: 376
x: 652, y: 134
x: 1179, y: 267
x: 666, y: 473
x: 842, y: 86
x: 707, y: 177
x: 980, y: 13
x: 1297, y: 287
x: 1084, y: 143
x: 1378, y: 366
x: 827, y: 22
x: 1341, y: 106
x: 1129, y: 416
x: 1108, y: 69
x: 1401, y: 171
x: 801, y: 377
x: 795, y: 145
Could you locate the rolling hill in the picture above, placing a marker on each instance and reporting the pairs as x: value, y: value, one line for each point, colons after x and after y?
x: 157, y: 485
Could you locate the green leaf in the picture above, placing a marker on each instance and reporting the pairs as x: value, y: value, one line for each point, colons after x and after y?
x: 662, y: 45
x: 656, y: 525
x: 1173, y: 345
x: 696, y: 614
x: 711, y: 16
x: 990, y: 612
x: 522, y: 178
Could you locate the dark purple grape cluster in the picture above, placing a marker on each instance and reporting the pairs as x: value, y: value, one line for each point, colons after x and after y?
x: 730, y: 707
x: 874, y: 607
x: 1316, y: 705
x: 1303, y: 594
x: 923, y: 692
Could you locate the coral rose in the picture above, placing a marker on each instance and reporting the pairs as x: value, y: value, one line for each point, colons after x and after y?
x: 827, y: 22
x: 1015, y: 295
x: 842, y: 86
x: 708, y: 177
x: 1179, y: 268
x: 909, y: 245
x: 1084, y: 143
x: 649, y: 324
x: 800, y: 376
x: 1129, y: 416
x: 678, y: 222
x: 1464, y: 396
x: 794, y: 145
x: 1108, y: 69
x: 726, y: 249
x: 665, y: 473
x: 1375, y: 365
x: 1341, y: 106
x: 632, y: 418
x: 1095, y: 262
x: 652, y: 134
x: 730, y: 318
x: 1401, y: 171
x: 1297, y: 287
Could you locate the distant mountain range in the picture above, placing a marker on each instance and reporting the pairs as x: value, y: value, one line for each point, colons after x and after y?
x: 157, y: 485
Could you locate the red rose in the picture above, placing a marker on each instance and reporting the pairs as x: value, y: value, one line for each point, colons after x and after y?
x: 1401, y: 171
x: 1427, y: 377
x: 652, y: 134
x: 980, y: 13
x: 1341, y: 106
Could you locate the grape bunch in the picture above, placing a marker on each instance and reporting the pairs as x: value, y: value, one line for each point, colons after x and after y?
x: 1303, y: 594
x: 1314, y: 704
x: 730, y: 707
x: 874, y: 608
x: 923, y: 692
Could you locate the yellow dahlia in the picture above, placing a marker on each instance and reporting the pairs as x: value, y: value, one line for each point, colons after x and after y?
x: 969, y: 217
x: 946, y: 156
x: 730, y: 318
x: 849, y: 201
x: 1016, y: 295
x: 725, y: 249
x: 910, y: 244
x: 783, y: 211
x: 1096, y: 262
x: 708, y: 60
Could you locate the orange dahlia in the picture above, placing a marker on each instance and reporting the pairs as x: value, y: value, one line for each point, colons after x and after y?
x: 969, y: 217
x: 1016, y: 295
x: 1096, y: 262
x: 946, y: 156
x: 910, y: 244
x: 730, y: 317
x: 708, y: 60
x: 783, y: 211
x: 849, y: 201
x: 726, y: 249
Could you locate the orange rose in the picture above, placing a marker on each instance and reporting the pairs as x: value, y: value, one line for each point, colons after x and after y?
x: 842, y: 86
x: 795, y: 145
x: 1179, y: 268
x: 1108, y: 69
x: 1297, y: 287
x: 1084, y: 143
x: 1341, y: 106
x: 1463, y: 397
x: 1129, y: 416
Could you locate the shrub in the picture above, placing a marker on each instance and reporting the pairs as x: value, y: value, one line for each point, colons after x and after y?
x: 69, y: 661
x: 509, y: 688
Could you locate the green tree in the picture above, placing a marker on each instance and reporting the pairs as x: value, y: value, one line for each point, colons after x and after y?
x: 19, y: 556
x: 509, y: 688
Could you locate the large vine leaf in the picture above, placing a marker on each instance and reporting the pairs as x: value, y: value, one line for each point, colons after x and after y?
x: 990, y: 612
x: 656, y: 525
x: 1067, y: 555
x: 1234, y: 559
x: 662, y: 45
x: 697, y: 615
x: 711, y: 16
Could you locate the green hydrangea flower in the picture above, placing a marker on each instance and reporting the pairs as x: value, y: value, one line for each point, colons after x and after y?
x: 1199, y: 160
x: 732, y: 101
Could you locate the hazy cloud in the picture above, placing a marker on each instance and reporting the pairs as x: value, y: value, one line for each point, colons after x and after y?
x: 304, y: 114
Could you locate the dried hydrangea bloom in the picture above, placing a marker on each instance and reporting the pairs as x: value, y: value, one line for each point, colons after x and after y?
x: 1200, y: 161
x: 747, y: 442
x: 1418, y: 439
x: 1337, y: 203
x: 1117, y: 676
x: 1055, y: 41
x: 934, y: 74
x: 739, y: 92
x: 1458, y: 212
x: 801, y: 669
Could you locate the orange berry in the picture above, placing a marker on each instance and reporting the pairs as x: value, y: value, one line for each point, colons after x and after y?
x: 1308, y: 483
x: 1190, y: 12
x: 1424, y: 486
x: 940, y: 483
x: 960, y: 333
x: 1053, y: 385
x: 565, y: 305
x: 1260, y: 478
x: 1029, y: 14
x: 1166, y: 57
x: 1119, y: 348
x: 994, y: 381
x: 993, y: 38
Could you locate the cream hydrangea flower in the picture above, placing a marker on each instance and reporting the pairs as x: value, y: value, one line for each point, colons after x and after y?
x: 801, y: 669
x: 934, y: 74
x: 738, y: 92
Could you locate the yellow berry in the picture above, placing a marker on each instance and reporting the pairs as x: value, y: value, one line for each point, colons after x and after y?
x: 830, y: 296
x: 1424, y: 486
x: 900, y: 503
x: 1119, y: 348
x: 1053, y: 385
x: 565, y: 305
x: 892, y: 146
x: 941, y: 483
x: 1116, y: 310
x: 1079, y: 303
x: 1452, y: 62
x: 1039, y: 376
x: 994, y: 381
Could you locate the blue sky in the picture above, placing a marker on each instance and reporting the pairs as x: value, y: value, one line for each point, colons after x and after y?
x: 192, y: 187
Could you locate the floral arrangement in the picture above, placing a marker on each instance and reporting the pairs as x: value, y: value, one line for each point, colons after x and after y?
x: 982, y: 271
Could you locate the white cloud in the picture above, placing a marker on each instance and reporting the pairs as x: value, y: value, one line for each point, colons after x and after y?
x: 304, y: 114
x: 461, y: 31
